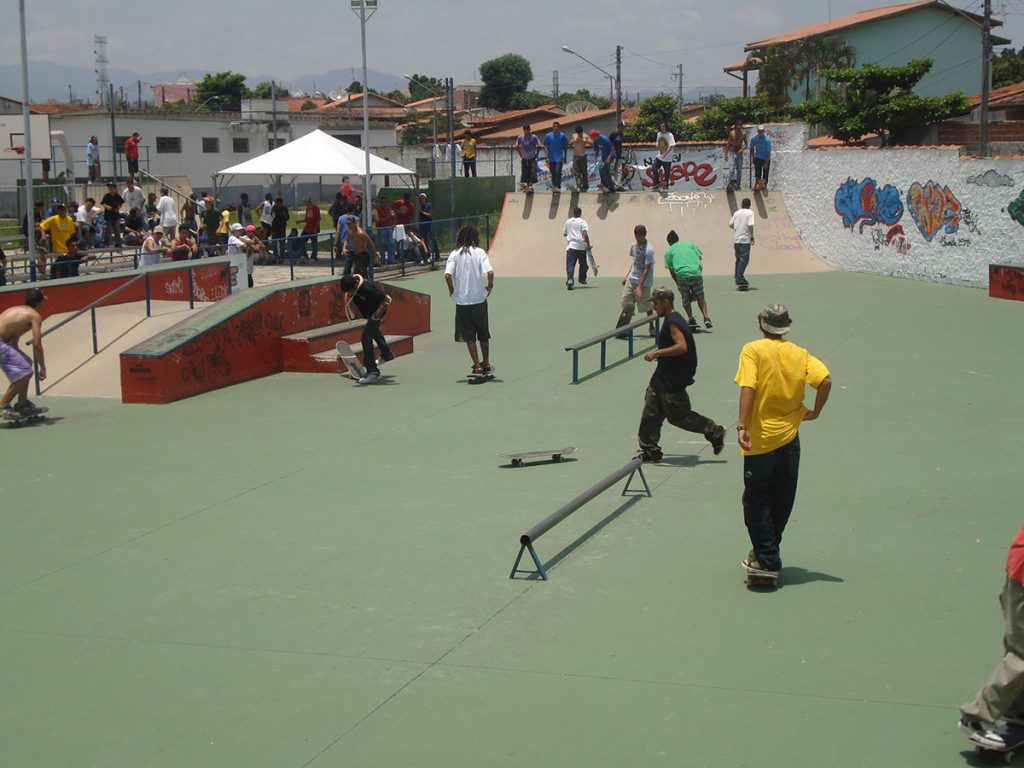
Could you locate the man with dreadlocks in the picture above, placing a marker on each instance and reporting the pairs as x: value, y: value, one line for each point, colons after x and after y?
x: 467, y: 265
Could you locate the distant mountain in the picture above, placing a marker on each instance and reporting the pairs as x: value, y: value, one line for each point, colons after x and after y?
x: 59, y: 82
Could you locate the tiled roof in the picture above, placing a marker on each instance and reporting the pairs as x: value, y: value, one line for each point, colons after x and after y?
x: 1007, y: 96
x: 864, y: 17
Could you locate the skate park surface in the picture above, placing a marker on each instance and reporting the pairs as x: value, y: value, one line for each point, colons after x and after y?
x: 298, y: 571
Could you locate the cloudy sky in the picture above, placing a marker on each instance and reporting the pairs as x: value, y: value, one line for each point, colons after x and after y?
x: 433, y: 37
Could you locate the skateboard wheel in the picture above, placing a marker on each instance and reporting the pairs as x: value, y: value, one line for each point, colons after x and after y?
x: 517, y: 462
x: 557, y: 457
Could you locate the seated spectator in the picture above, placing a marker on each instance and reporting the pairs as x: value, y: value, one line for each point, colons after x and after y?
x: 153, y: 248
x: 152, y: 215
x: 134, y: 230
x: 254, y: 247
x: 66, y: 264
x: 296, y: 246
x: 183, y: 247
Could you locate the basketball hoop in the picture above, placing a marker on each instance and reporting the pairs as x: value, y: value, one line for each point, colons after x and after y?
x: 19, y: 149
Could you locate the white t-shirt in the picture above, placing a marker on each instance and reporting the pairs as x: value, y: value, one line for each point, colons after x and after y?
x: 266, y: 212
x: 133, y: 198
x: 641, y: 256
x: 168, y: 216
x: 85, y: 216
x: 467, y: 268
x: 669, y: 142
x: 573, y: 231
x: 235, y: 245
x: 149, y: 256
x: 742, y: 222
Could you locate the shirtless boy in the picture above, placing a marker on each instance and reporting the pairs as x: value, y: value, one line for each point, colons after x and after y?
x: 14, y: 323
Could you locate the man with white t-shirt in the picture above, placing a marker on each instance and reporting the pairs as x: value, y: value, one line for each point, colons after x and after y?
x: 467, y: 265
x: 742, y: 226
x: 578, y: 240
x: 665, y: 142
x: 133, y: 196
x: 167, y: 209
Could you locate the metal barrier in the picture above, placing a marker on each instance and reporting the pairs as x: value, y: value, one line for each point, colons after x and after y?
x: 526, y: 541
x: 603, y: 338
x: 92, y: 307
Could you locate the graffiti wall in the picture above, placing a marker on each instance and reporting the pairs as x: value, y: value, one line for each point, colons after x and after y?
x: 918, y: 213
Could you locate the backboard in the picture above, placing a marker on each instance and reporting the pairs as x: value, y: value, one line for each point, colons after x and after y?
x: 12, y: 137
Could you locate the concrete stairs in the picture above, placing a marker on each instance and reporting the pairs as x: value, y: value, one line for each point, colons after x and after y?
x: 313, y: 351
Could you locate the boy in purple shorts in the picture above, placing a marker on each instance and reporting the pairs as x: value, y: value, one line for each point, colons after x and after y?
x: 14, y: 323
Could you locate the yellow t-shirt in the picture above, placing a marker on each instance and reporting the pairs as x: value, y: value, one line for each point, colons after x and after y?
x: 225, y: 221
x: 469, y: 148
x: 60, y: 229
x: 777, y: 371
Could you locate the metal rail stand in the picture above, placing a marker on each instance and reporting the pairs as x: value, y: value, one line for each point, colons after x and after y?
x: 633, y: 468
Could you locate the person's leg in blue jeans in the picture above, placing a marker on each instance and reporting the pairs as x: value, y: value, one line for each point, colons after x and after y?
x: 742, y: 251
x: 736, y: 172
x: 605, y: 171
x: 769, y: 490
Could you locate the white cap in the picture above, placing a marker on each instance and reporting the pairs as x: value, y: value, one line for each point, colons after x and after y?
x: 236, y: 227
x: 760, y: 127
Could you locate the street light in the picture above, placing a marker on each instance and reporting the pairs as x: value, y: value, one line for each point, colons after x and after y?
x: 359, y: 7
x: 616, y: 78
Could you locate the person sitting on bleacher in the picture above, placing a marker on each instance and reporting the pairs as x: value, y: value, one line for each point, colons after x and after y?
x: 134, y: 228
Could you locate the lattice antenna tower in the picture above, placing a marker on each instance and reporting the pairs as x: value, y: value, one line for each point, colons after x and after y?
x: 99, y: 45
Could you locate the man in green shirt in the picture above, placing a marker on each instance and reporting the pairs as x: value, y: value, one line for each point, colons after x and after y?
x: 683, y: 261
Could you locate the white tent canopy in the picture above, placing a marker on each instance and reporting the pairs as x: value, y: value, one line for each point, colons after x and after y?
x: 315, y: 154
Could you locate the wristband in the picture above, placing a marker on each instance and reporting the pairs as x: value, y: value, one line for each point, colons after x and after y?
x: 740, y: 428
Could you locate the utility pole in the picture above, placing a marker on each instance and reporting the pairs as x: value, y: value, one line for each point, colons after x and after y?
x: 554, y: 84
x: 678, y: 75
x: 618, y: 85
x: 986, y: 61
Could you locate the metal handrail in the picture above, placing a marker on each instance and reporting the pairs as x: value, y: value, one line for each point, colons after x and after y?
x: 93, y: 305
x: 171, y: 187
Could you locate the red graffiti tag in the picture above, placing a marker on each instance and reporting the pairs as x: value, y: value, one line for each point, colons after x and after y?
x: 702, y: 173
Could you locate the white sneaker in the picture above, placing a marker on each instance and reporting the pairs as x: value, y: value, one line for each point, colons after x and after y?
x: 370, y: 377
x: 982, y: 733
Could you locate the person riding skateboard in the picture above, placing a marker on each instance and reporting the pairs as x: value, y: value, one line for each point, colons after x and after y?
x: 772, y: 376
x: 372, y: 303
x: 15, y: 322
x: 666, y: 396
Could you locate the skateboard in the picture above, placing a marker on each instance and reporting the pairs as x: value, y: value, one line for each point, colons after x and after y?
x: 758, y: 578
x: 17, y: 419
x: 348, y: 357
x: 1014, y: 737
x: 556, y: 455
x: 590, y: 260
x: 480, y: 378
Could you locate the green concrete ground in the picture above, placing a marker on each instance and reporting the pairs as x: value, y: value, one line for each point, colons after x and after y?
x: 302, y: 572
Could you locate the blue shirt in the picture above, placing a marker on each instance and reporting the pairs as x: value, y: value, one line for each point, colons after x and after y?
x: 556, y: 146
x: 603, y: 145
x: 761, y: 145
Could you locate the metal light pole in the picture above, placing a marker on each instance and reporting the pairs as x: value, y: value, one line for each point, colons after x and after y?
x: 615, y: 79
x: 986, y: 60
x: 30, y: 244
x: 360, y: 7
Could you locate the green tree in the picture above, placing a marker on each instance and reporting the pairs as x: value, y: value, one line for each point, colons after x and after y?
x: 422, y: 131
x: 714, y: 124
x: 778, y: 63
x: 1007, y: 67
x: 505, y: 78
x: 879, y: 100
x: 223, y: 91
x: 397, y: 95
x: 654, y: 110
x: 307, y: 105
x: 354, y: 87
x: 564, y: 99
x: 424, y: 87
x: 814, y: 55
x: 265, y: 90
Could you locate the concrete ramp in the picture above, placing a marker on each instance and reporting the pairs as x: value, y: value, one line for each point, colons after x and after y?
x: 529, y: 241
x: 74, y: 371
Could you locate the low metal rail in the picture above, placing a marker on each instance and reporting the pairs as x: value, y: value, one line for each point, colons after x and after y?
x: 602, y: 339
x: 634, y: 467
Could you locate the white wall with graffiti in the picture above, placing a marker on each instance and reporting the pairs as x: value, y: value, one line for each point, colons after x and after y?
x: 918, y: 213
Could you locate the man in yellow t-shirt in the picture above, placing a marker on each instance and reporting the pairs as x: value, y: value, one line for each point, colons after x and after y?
x: 57, y: 230
x: 468, y: 148
x: 772, y: 377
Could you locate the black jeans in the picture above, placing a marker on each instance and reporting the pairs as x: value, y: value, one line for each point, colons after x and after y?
x: 761, y: 170
x: 556, y: 174
x: 371, y: 333
x: 769, y: 490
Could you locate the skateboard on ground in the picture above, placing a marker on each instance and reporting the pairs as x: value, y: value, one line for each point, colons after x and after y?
x: 348, y: 357
x: 759, y: 578
x: 556, y: 455
x: 17, y: 419
x: 480, y: 378
x: 590, y: 260
x: 1014, y: 737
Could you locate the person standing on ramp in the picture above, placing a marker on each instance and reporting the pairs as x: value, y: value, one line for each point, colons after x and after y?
x: 467, y: 266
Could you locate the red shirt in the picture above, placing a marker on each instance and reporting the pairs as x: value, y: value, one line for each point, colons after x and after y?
x: 1015, y: 559
x: 347, y: 193
x: 131, y: 148
x: 384, y: 217
x: 402, y: 211
x: 312, y: 224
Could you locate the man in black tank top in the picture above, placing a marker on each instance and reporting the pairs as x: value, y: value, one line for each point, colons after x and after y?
x: 666, y: 396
